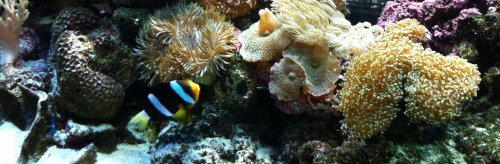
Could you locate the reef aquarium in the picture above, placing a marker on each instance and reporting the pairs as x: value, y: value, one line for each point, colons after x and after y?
x: 249, y: 81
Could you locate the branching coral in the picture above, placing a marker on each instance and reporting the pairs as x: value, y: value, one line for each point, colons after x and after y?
x: 397, y: 68
x: 231, y: 8
x: 185, y: 41
x: 15, y: 12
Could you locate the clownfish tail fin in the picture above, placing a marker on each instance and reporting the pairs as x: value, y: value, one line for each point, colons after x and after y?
x: 139, y: 122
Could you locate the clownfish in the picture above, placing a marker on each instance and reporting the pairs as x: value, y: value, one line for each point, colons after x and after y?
x: 167, y: 100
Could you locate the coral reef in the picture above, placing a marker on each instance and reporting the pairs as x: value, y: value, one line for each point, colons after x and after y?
x: 431, y: 85
x: 232, y: 9
x: 442, y: 18
x: 185, y: 41
x: 83, y: 90
x: 291, y: 78
x: 309, y: 47
x: 72, y: 18
x: 480, y: 33
x: 35, y: 143
x: 353, y: 81
x: 310, y: 21
x: 130, y: 20
x: 491, y: 81
x: 209, y: 140
x: 92, y: 66
x: 15, y: 12
x: 77, y: 134
x: 87, y: 154
x: 263, y: 41
x: 476, y: 133
x: 211, y: 150
x: 28, y: 43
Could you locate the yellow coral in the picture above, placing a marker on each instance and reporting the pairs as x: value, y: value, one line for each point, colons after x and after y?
x: 185, y: 41
x: 375, y: 82
x: 438, y: 85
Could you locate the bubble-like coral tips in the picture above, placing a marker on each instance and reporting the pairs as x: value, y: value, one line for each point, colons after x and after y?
x: 397, y: 68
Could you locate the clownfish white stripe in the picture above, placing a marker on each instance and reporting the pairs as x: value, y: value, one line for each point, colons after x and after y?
x: 178, y: 89
x: 157, y: 104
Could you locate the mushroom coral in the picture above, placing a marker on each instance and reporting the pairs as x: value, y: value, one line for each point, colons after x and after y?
x: 265, y: 40
x: 185, y: 41
x: 321, y: 68
x: 309, y: 35
x: 397, y: 68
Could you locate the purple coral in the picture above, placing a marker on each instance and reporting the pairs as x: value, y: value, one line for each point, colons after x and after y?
x: 443, y: 18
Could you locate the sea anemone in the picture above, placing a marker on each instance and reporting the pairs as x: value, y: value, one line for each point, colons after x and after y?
x: 185, y: 41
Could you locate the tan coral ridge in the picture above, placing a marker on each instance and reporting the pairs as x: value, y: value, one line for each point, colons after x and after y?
x: 310, y: 34
x: 185, y: 41
x: 377, y: 81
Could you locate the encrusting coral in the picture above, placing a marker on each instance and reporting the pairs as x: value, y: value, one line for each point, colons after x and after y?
x: 397, y: 68
x: 231, y: 8
x: 15, y: 12
x: 185, y: 41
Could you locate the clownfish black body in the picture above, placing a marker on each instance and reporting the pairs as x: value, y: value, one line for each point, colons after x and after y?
x: 167, y: 100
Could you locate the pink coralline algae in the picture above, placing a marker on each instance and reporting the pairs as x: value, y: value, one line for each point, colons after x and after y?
x: 442, y: 18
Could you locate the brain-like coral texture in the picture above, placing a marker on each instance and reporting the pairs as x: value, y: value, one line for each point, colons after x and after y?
x: 84, y: 91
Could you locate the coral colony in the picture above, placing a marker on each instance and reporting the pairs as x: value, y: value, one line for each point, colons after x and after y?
x: 249, y: 81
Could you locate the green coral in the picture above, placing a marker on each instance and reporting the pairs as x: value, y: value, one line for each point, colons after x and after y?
x: 467, y: 51
x: 477, y: 133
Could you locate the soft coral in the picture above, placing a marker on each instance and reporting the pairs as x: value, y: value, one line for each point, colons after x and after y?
x: 15, y: 12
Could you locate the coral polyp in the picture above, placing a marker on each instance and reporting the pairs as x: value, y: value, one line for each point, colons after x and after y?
x: 397, y: 68
x: 185, y: 41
